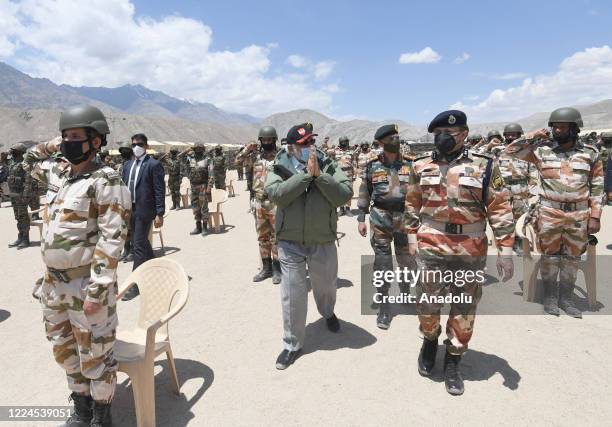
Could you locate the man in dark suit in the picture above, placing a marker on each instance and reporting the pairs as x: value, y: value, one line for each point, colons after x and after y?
x: 144, y: 177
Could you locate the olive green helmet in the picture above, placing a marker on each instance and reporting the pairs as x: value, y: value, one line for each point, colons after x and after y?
x: 513, y: 128
x: 343, y: 139
x: 174, y: 150
x: 127, y: 145
x: 566, y: 115
x: 267, y: 132
x: 474, y: 137
x: 199, y: 145
x: 494, y: 133
x: 19, y: 147
x: 84, y: 116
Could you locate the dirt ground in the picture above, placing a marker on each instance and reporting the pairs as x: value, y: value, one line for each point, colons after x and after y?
x: 520, y: 370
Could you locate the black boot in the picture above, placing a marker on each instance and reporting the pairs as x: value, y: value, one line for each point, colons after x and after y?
x: 452, y: 374
x: 551, y: 297
x: 341, y: 211
x: 383, y: 318
x: 101, y: 415
x: 198, y: 229
x: 82, y: 414
x: 173, y: 205
x: 566, y: 300
x: 126, y: 251
x: 276, y: 272
x: 427, y: 356
x: 16, y: 242
x: 25, y: 240
x: 204, y: 228
x: 265, y: 272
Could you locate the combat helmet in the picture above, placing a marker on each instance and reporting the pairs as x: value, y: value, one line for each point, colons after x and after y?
x: 513, y: 128
x: 566, y: 115
x: 267, y: 132
x: 85, y: 116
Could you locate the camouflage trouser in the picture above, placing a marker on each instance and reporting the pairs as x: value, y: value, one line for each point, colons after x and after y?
x: 562, y: 239
x: 386, y: 227
x: 265, y: 213
x: 349, y: 174
x: 460, y: 324
x: 20, y: 210
x: 199, y: 202
x: 249, y: 179
x: 220, y: 182
x: 34, y: 201
x: 520, y: 204
x: 174, y: 184
x: 240, y: 173
x: 82, y: 344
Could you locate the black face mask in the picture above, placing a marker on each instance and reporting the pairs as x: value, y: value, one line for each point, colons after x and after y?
x: 444, y: 143
x: 268, y: 147
x: 564, y: 138
x: 73, y: 151
x: 198, y: 153
x: 173, y: 155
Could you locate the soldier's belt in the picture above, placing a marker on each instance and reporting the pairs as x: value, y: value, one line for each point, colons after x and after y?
x: 71, y: 273
x: 515, y: 181
x: 450, y: 228
x: 390, y: 206
x: 565, y: 206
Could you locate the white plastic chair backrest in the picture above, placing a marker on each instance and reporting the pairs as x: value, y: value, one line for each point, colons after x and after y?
x: 218, y: 197
x: 164, y: 287
x: 185, y: 186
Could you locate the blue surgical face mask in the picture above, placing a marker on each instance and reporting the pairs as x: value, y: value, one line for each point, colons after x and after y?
x: 304, y: 154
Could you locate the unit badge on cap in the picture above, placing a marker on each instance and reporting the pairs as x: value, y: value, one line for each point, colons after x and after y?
x: 451, y: 120
x: 302, y: 131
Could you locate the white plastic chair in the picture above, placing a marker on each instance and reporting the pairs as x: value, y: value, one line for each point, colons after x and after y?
x: 154, y: 230
x: 218, y: 197
x: 164, y: 290
x: 185, y: 188
x: 38, y: 222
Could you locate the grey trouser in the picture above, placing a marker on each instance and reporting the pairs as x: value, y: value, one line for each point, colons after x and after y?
x: 322, y: 261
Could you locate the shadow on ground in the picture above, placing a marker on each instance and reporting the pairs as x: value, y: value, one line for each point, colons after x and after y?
x: 4, y: 315
x: 349, y: 336
x: 171, y: 410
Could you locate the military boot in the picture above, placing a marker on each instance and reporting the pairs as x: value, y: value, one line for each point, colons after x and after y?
x: 265, y: 272
x: 126, y: 251
x: 566, y: 300
x: 173, y: 205
x: 452, y: 374
x: 16, y: 242
x: 82, y: 414
x: 427, y: 356
x: 551, y: 297
x: 101, y: 415
x: 276, y: 272
x: 383, y: 318
x: 204, y: 228
x: 25, y: 240
x: 198, y: 229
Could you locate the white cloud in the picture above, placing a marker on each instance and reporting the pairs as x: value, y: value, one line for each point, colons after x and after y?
x: 104, y: 43
x: 323, y: 69
x: 332, y: 88
x: 425, y: 56
x: 297, y: 61
x: 583, y: 77
x: 509, y: 76
x: 461, y: 59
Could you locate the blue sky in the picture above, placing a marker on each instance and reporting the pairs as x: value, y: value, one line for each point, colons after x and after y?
x: 345, y: 54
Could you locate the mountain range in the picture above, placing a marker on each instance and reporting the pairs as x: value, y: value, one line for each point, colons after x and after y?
x: 30, y: 108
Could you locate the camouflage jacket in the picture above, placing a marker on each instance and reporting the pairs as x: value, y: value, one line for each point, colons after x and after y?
x: 86, y: 221
x: 246, y: 158
x: 385, y: 184
x: 197, y: 170
x: 565, y: 176
x: 362, y: 161
x: 457, y: 193
x: 218, y: 163
x: 517, y: 174
x: 173, y: 167
x: 19, y: 181
x: 346, y: 160
x: 260, y: 172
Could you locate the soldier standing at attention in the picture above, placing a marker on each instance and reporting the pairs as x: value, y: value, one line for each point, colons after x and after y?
x: 451, y: 195
x: 89, y: 208
x: 385, y: 184
x: 173, y: 166
x: 605, y: 151
x: 570, y: 204
x: 219, y: 169
x: 19, y: 184
x: 363, y: 155
x: 265, y: 209
x: 346, y: 160
x: 197, y: 170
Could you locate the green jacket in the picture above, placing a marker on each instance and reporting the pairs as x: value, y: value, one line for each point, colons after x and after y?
x: 306, y: 206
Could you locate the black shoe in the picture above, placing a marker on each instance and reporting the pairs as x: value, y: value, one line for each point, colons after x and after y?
x: 383, y: 319
x: 198, y: 229
x: 287, y: 358
x: 341, y: 211
x: 204, y: 228
x: 427, y: 357
x: 265, y: 272
x: 333, y: 324
x: 551, y: 298
x: 566, y: 300
x: 81, y: 417
x: 276, y: 272
x: 173, y: 207
x: 452, y: 374
x: 25, y: 241
x: 101, y: 415
x: 16, y: 242
x: 132, y: 293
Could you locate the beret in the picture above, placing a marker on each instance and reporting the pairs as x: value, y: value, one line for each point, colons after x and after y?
x: 448, y: 118
x: 385, y: 130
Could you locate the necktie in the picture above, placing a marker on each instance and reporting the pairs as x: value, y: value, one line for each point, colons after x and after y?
x: 132, y: 184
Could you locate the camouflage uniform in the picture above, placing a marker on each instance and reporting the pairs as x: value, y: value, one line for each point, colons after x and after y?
x: 385, y: 185
x: 197, y: 171
x: 173, y: 167
x: 247, y: 158
x: 571, y: 192
x: 19, y: 183
x: 265, y: 210
x: 362, y: 160
x: 447, y: 206
x: 83, y: 234
x: 219, y: 170
x: 345, y: 157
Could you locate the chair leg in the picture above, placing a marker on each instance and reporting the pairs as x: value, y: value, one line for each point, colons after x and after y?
x: 177, y: 387
x: 143, y: 387
x: 590, y: 276
x: 161, y: 239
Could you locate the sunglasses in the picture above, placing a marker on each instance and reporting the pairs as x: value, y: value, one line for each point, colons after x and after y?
x: 138, y: 144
